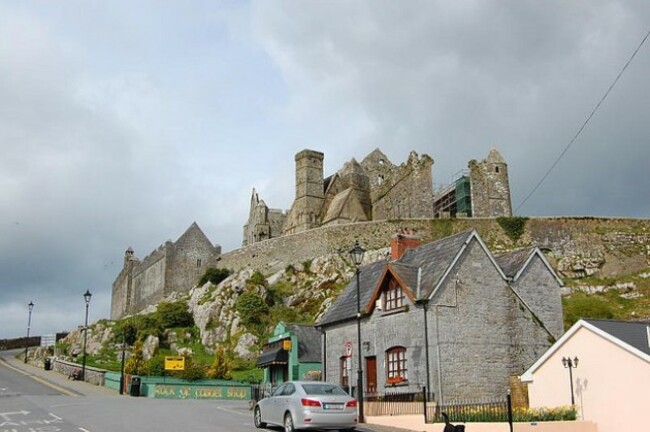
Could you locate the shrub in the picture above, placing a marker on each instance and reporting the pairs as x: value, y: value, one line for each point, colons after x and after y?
x: 252, y: 308
x: 174, y: 315
x: 155, y: 366
x: 135, y: 364
x: 214, y: 276
x: 257, y: 278
x: 193, y: 371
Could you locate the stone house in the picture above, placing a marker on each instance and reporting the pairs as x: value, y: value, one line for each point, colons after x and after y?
x: 172, y: 267
x: 609, y: 376
x: 292, y: 353
x: 447, y: 315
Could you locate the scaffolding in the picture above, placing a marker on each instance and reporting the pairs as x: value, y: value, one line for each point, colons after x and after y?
x: 455, y: 199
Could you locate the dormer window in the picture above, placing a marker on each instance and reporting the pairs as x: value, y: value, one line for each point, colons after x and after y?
x: 393, y: 296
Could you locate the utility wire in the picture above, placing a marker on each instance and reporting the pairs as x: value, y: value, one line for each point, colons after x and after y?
x: 575, y: 137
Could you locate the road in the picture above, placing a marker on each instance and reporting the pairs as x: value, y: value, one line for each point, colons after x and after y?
x: 30, y: 401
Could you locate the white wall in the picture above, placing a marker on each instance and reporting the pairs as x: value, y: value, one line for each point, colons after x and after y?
x: 611, y: 385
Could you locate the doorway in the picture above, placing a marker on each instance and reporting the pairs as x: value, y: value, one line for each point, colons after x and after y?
x: 371, y: 374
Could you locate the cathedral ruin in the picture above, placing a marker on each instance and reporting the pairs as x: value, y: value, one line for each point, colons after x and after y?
x: 376, y: 189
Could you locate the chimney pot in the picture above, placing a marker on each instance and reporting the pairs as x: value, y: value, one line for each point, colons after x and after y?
x: 403, y: 240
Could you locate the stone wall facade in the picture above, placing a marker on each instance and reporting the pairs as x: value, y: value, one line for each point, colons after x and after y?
x: 490, y: 187
x: 479, y: 335
x: 576, y: 247
x: 263, y: 223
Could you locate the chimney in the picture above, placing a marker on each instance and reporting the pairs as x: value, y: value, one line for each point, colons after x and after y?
x: 404, y: 239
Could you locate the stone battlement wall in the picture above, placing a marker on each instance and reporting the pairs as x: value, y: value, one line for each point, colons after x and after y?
x: 575, y: 246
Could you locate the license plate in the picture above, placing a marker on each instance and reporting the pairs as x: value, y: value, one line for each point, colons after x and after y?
x: 333, y: 406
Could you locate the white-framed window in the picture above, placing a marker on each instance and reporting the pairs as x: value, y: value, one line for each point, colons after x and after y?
x: 393, y: 296
x: 345, y: 371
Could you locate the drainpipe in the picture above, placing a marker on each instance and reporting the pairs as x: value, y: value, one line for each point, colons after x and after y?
x: 324, y: 347
x: 440, y: 399
x: 425, y: 305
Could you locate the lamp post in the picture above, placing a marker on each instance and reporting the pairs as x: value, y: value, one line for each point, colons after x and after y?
x: 30, y: 306
x: 122, y: 370
x: 87, y: 296
x: 357, y: 256
x: 567, y: 362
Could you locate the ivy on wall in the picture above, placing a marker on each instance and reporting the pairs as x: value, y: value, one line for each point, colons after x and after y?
x: 513, y: 226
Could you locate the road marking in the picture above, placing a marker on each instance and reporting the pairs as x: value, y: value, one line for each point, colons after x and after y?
x: 84, y: 430
x: 54, y: 386
x: 232, y: 411
x: 6, y: 415
x: 41, y: 380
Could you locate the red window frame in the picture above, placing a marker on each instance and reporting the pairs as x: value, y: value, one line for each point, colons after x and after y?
x: 396, y: 365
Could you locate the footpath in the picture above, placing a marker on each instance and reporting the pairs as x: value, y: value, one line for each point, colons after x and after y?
x: 56, y: 380
x: 80, y: 388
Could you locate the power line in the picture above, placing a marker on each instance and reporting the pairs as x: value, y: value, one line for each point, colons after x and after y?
x: 575, y: 137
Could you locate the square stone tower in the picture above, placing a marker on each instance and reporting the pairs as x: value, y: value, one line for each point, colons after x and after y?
x: 310, y: 193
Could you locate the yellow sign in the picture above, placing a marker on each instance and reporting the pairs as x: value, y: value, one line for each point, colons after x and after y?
x: 174, y: 363
x: 286, y: 345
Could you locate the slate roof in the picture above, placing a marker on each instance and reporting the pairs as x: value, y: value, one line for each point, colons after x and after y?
x: 512, y: 262
x: 345, y: 306
x: 633, y: 333
x: 309, y: 342
x: 433, y: 258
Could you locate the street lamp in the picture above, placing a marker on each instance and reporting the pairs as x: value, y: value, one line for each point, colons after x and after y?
x: 30, y: 306
x: 570, y: 364
x: 87, y: 296
x: 357, y: 256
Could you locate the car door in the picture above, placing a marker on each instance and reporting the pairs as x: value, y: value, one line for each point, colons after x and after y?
x: 273, y: 412
x: 284, y: 400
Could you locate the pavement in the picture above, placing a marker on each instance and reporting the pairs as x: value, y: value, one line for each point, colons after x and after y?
x: 56, y: 380
x: 74, y: 388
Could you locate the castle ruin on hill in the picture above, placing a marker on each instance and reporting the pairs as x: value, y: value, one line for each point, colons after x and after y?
x: 376, y: 189
x: 172, y: 267
x: 373, y: 190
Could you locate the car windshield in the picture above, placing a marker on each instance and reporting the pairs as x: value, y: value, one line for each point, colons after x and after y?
x: 323, y: 389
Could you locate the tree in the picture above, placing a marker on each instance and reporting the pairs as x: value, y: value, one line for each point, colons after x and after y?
x: 221, y: 367
x: 135, y: 365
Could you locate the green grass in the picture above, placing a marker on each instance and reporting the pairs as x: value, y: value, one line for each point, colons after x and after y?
x: 610, y: 304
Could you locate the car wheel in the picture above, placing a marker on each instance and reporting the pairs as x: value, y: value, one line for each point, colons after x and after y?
x: 288, y: 423
x: 257, y: 418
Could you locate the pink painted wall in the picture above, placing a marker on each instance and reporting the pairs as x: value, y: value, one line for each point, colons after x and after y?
x: 611, y: 384
x: 416, y: 423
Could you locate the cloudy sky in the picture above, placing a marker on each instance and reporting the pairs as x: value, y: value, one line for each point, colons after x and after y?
x: 123, y: 122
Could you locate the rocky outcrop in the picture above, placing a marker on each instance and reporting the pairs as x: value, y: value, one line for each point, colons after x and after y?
x: 306, y: 271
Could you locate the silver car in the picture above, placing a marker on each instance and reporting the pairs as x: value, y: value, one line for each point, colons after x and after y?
x: 307, y: 405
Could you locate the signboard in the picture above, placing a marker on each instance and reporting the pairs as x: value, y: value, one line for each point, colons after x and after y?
x: 174, y: 363
x: 48, y: 340
x: 348, y: 348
